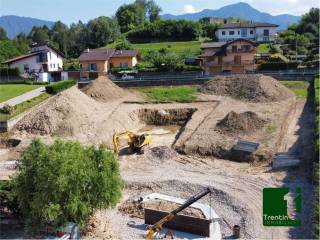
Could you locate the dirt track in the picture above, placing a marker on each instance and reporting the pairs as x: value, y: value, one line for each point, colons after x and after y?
x: 237, y: 197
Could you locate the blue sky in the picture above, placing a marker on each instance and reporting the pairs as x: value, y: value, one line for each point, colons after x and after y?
x: 70, y: 11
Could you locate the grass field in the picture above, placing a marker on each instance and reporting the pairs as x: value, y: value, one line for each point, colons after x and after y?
x: 8, y: 91
x: 263, y: 48
x: 177, y: 94
x: 22, y: 107
x: 176, y: 47
x: 300, y: 88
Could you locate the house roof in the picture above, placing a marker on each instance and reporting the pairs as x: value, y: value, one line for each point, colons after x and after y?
x: 224, y: 44
x: 22, y: 57
x: 247, y: 25
x: 212, y: 44
x: 49, y: 46
x: 104, y: 54
x: 98, y: 54
x: 125, y: 53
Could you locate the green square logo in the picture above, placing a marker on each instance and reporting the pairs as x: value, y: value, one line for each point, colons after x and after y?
x: 276, y: 210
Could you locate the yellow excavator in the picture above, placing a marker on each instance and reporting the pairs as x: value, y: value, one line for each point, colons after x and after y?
x: 136, y: 142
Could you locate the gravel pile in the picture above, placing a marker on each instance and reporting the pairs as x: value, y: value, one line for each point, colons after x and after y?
x: 252, y: 88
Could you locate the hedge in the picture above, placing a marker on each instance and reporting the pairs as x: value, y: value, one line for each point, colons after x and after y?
x: 277, y: 66
x: 316, y: 158
x: 13, y: 72
x: 56, y: 87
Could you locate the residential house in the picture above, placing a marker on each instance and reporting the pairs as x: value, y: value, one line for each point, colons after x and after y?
x: 43, y: 61
x: 254, y: 31
x: 235, y: 56
x: 101, y: 60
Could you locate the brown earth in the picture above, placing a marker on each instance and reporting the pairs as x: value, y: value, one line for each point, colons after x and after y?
x: 252, y: 88
x: 136, y: 209
x: 240, y: 123
x: 103, y: 89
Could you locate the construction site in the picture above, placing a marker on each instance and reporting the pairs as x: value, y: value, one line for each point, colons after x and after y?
x: 227, y: 140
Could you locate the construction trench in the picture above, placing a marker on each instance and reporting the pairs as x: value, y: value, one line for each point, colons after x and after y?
x: 192, y: 148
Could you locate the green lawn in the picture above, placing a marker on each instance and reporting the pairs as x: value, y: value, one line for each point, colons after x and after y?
x: 176, y: 47
x: 300, y: 88
x: 8, y: 91
x: 263, y: 48
x: 177, y: 94
x: 24, y: 106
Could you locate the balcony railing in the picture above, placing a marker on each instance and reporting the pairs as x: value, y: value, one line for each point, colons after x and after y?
x: 227, y: 63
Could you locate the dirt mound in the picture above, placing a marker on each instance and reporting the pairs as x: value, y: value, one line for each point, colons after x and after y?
x: 65, y: 114
x: 161, y: 153
x: 252, y: 88
x: 136, y: 209
x: 240, y: 123
x: 103, y: 89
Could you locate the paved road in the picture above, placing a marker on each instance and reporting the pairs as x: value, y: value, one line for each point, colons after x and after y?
x: 24, y: 97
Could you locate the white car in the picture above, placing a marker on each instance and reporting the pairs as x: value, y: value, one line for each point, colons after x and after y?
x: 126, y: 77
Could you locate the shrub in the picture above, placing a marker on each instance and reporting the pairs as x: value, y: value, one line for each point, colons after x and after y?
x: 13, y: 72
x: 7, y: 109
x: 8, y: 198
x: 65, y: 182
x: 274, y: 66
x: 56, y: 87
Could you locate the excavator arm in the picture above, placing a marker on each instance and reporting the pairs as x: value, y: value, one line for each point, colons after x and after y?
x: 116, y: 139
x: 159, y: 225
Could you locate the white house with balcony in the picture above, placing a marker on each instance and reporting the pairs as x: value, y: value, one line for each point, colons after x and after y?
x: 253, y: 31
x: 43, y: 62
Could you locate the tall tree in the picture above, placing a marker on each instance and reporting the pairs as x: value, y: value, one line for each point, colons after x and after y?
x: 60, y: 35
x: 3, y: 34
x: 102, y: 30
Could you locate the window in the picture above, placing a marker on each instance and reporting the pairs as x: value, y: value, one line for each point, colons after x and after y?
x: 231, y: 32
x: 251, y: 32
x: 54, y: 65
x: 223, y: 32
x: 219, y: 60
x: 26, y: 67
x: 234, y: 48
x: 92, y: 67
x: 245, y: 48
x: 50, y: 55
x: 124, y: 65
x: 238, y: 32
x: 266, y: 32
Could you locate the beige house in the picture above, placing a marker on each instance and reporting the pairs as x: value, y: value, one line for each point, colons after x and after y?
x: 236, y: 56
x: 102, y: 60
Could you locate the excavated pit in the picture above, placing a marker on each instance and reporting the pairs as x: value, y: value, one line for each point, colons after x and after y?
x: 162, y: 117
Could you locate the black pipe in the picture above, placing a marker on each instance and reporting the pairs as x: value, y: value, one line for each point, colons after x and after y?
x: 191, y: 200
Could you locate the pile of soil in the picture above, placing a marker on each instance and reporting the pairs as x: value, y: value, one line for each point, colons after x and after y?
x: 161, y: 153
x: 252, y: 88
x: 103, y: 89
x: 65, y: 114
x: 240, y: 123
x: 136, y: 209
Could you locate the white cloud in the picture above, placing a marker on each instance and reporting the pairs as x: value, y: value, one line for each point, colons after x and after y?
x: 188, y: 8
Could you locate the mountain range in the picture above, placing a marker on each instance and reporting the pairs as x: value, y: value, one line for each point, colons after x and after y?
x: 15, y: 25
x: 239, y: 10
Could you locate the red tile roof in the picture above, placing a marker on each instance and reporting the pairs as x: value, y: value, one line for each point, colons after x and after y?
x: 104, y: 54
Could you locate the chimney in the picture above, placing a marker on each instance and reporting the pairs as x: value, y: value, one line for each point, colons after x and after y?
x: 87, y: 50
